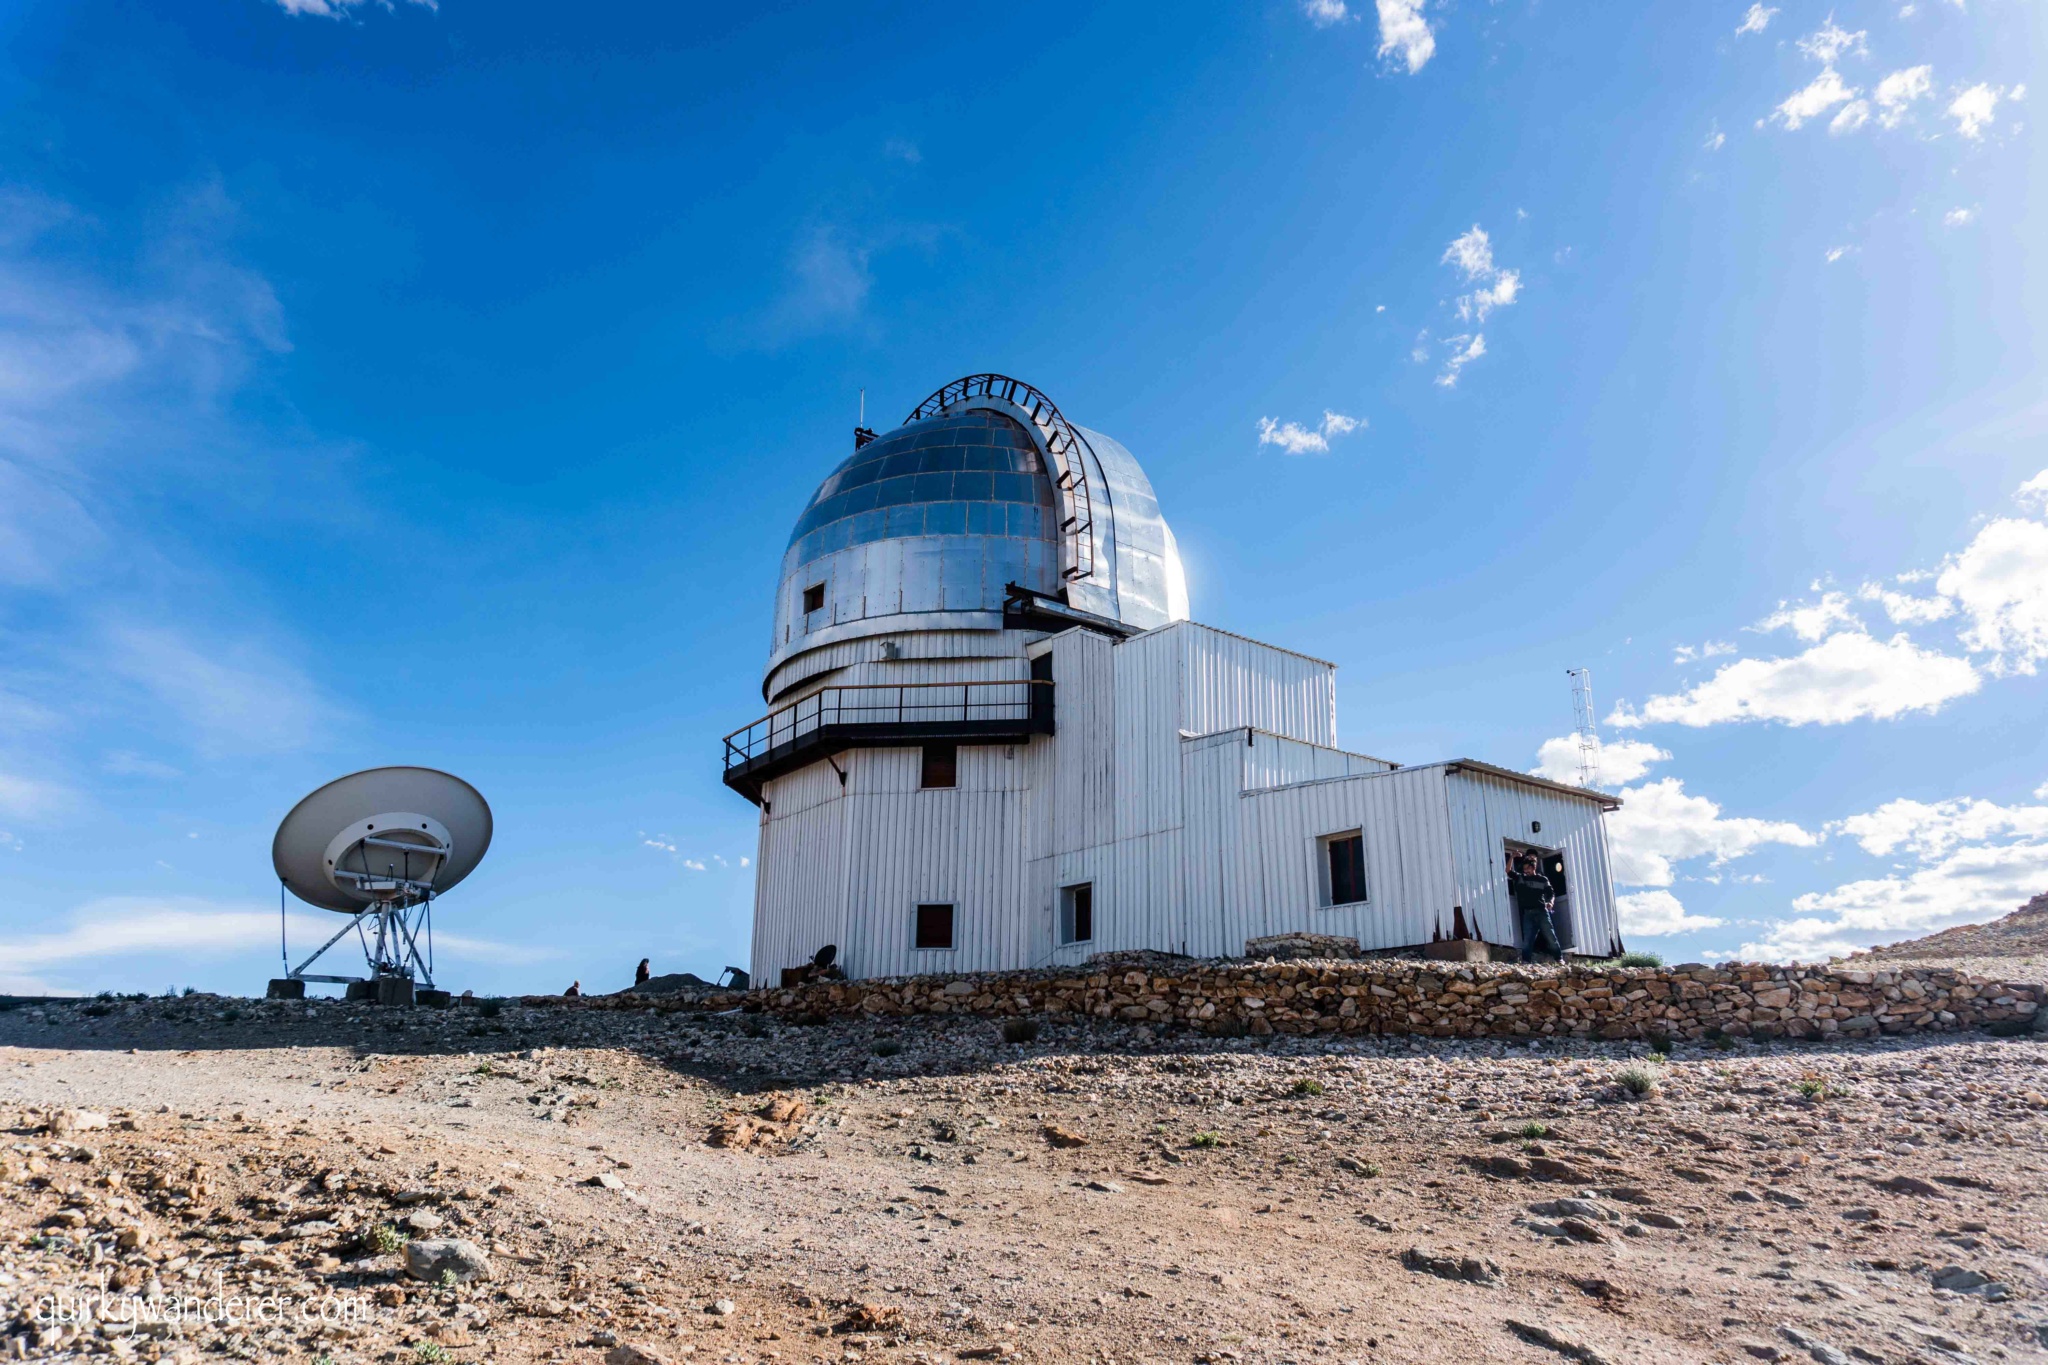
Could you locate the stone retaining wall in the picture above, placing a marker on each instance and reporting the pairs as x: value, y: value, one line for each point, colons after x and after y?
x: 1446, y: 1001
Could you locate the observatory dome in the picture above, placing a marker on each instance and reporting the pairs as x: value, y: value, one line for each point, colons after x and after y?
x: 985, y: 484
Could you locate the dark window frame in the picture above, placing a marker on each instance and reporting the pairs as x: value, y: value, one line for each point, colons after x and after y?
x: 938, y: 767
x: 814, y: 598
x: 1077, y: 914
x: 929, y: 926
x: 1343, y: 870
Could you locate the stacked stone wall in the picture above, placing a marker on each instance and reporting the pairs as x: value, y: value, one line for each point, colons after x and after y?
x: 1442, y: 1000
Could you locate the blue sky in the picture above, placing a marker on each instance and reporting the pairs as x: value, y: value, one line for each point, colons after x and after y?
x: 437, y: 384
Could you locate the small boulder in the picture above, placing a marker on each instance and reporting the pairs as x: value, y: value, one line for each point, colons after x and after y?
x: 435, y: 1259
x: 1472, y: 1269
x: 632, y: 1353
x: 1063, y: 1137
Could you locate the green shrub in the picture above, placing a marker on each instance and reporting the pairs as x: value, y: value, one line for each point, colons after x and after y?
x: 1639, y: 960
x: 1206, y: 1140
x: 1533, y: 1130
x: 1020, y: 1031
x: 1639, y: 1080
x: 1308, y: 1085
x: 886, y: 1047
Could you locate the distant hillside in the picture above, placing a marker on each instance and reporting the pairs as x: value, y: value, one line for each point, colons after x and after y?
x: 2015, y: 947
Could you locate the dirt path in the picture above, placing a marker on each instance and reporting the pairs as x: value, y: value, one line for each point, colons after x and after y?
x: 1099, y: 1193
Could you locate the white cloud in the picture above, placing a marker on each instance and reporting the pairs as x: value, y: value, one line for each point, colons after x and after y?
x: 1821, y: 94
x: 746, y: 862
x: 1463, y: 353
x: 1471, y: 252
x: 1651, y: 914
x: 904, y: 150
x: 226, y: 698
x: 1404, y: 32
x: 1972, y: 884
x: 1716, y: 139
x: 1932, y: 829
x: 658, y: 845
x: 34, y: 798
x: 1660, y: 824
x: 1962, y: 217
x: 1712, y: 649
x: 1846, y: 677
x: 1897, y: 92
x: 1904, y: 608
x: 1812, y: 620
x: 337, y: 9
x: 2000, y: 583
x: 1475, y: 306
x: 1754, y: 20
x: 1975, y: 109
x: 1619, y: 761
x: 693, y: 865
x: 1853, y: 115
x: 1831, y: 41
x: 1323, y: 13
x: 186, y: 928
x: 1296, y: 439
x: 1836, y: 253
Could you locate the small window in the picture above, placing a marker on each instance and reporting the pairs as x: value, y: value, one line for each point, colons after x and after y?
x: 1077, y: 913
x: 1344, y: 868
x: 814, y: 598
x: 941, y: 766
x: 934, y: 926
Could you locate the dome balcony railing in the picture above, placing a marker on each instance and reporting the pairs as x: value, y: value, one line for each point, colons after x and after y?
x: 884, y: 716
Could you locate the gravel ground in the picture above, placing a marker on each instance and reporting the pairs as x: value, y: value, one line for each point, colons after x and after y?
x: 923, y: 1191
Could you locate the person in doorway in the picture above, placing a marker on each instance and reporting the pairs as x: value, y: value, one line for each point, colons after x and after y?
x: 1533, y: 899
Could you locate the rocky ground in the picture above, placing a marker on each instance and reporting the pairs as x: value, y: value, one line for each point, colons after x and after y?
x: 2015, y: 947
x: 922, y: 1190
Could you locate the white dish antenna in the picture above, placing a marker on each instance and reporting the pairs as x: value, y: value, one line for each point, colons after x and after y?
x: 381, y: 845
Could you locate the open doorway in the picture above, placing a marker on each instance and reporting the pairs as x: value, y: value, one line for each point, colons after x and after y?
x: 1549, y: 862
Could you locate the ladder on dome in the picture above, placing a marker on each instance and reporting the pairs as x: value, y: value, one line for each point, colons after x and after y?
x: 1062, y: 441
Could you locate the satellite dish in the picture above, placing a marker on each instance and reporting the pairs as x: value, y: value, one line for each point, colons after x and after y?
x: 381, y: 835
x: 381, y: 845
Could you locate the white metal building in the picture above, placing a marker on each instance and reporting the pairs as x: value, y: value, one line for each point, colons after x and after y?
x: 996, y: 742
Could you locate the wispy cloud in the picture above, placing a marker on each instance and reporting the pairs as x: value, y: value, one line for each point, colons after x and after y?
x: 1755, y: 19
x: 342, y: 9
x: 1655, y: 914
x: 1661, y: 824
x: 1959, y: 217
x: 1297, y: 439
x: 1618, y: 761
x: 1324, y: 13
x: 1489, y: 286
x: 1847, y: 677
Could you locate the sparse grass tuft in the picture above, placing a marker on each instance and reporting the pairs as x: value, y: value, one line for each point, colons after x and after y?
x: 1639, y: 960
x: 1533, y: 1130
x: 1639, y: 1080
x: 886, y: 1047
x: 1308, y: 1085
x: 482, y: 1069
x: 1206, y: 1139
x: 430, y: 1353
x: 491, y: 1008
x: 384, y: 1240
x: 1818, y: 1088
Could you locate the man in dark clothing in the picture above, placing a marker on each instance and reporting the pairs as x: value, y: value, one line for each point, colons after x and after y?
x: 641, y: 972
x: 1533, y: 897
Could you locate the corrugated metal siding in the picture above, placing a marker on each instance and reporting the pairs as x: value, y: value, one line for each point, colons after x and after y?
x: 1229, y: 681
x: 1410, y: 883
x: 1147, y: 702
x: 1193, y: 844
x: 1486, y: 812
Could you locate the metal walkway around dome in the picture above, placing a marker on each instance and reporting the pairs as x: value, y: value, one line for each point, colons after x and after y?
x: 884, y: 716
x: 1061, y: 440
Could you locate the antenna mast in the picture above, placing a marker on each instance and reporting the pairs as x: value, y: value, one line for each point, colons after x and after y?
x: 1583, y: 728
